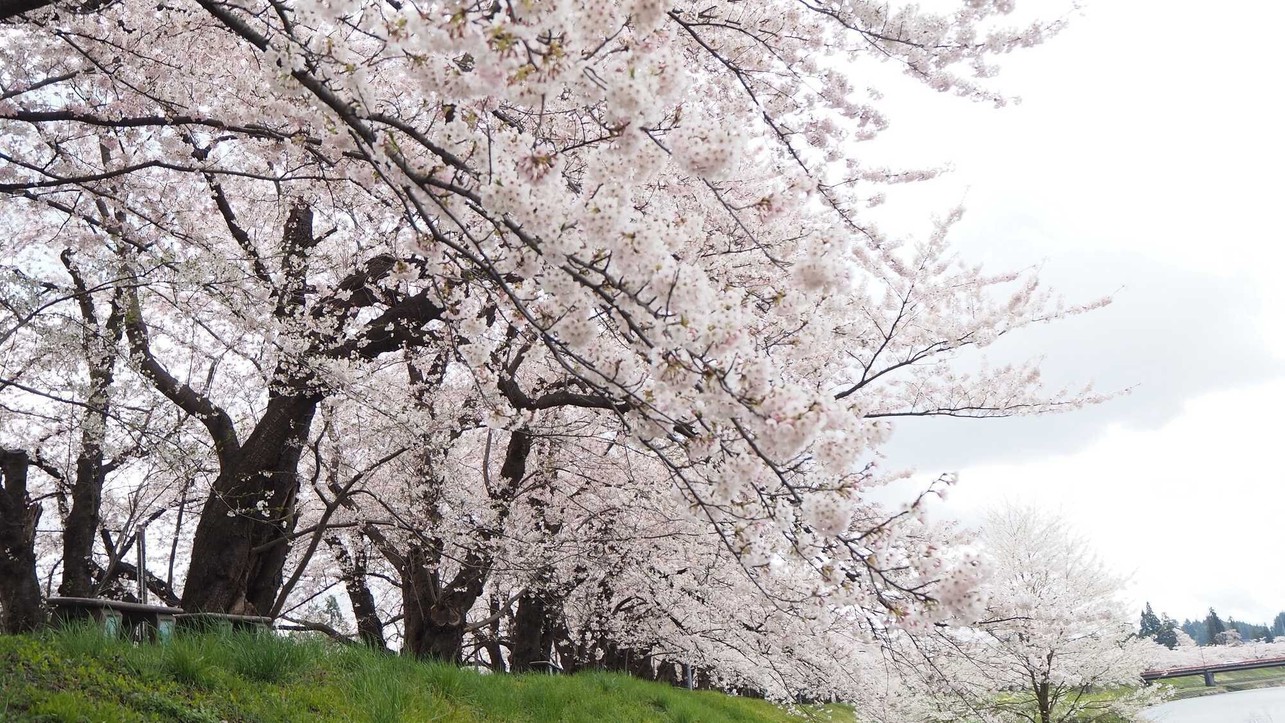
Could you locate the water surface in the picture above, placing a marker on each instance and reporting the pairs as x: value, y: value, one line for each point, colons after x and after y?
x: 1265, y: 705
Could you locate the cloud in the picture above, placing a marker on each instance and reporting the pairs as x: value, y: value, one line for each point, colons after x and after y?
x: 1141, y: 168
x: 1191, y: 509
x: 1134, y: 169
x: 1170, y: 334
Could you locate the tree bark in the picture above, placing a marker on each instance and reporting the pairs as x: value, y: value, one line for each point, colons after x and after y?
x: 701, y: 679
x: 21, y: 610
x: 233, y: 568
x: 370, y: 630
x: 436, y: 618
x: 571, y: 653
x: 626, y: 660
x: 536, y: 624
x: 670, y: 671
x: 81, y: 526
x: 252, y: 503
x: 533, y: 635
x: 494, y: 650
x: 14, y: 8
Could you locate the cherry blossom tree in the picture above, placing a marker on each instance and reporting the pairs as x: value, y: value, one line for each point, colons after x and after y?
x: 1188, y: 654
x: 1053, y: 632
x: 78, y: 451
x: 81, y: 429
x: 498, y: 226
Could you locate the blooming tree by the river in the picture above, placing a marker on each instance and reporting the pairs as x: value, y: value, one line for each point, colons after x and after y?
x: 1052, y: 638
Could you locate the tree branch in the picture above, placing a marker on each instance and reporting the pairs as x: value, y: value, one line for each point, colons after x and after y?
x: 215, y: 419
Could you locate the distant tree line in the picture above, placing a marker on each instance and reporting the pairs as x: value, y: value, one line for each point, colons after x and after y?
x: 1211, y: 630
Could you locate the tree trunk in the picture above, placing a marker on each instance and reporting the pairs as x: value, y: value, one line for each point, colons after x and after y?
x: 99, y: 344
x: 369, y: 627
x: 370, y: 630
x: 571, y: 654
x: 1042, y: 700
x: 493, y: 648
x: 234, y: 567
x: 533, y: 633
x: 81, y: 526
x: 252, y: 503
x: 282, y: 488
x: 669, y: 671
x: 436, y: 614
x: 627, y: 660
x: 536, y: 624
x: 436, y: 619
x: 20, y: 604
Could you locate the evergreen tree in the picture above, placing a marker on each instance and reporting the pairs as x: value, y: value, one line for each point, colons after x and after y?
x: 1196, y: 630
x: 1150, y: 624
x: 1269, y: 637
x: 1278, y: 625
x: 1213, y: 626
x: 1167, y: 634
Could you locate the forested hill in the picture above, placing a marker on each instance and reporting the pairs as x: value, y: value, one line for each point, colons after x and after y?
x: 1205, y: 631
x: 82, y: 676
x: 1210, y: 630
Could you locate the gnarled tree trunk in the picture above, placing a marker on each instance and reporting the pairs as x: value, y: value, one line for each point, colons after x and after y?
x: 235, y: 567
x: 21, y: 610
x: 252, y: 504
x: 436, y: 618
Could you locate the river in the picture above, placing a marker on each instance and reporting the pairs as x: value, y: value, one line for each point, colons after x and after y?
x: 1265, y: 705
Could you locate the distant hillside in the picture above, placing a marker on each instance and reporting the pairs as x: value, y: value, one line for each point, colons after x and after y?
x: 80, y: 676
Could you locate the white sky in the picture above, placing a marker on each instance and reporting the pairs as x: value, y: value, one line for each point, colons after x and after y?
x: 1144, y: 162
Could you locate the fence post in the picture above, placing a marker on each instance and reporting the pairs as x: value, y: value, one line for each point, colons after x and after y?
x: 141, y: 548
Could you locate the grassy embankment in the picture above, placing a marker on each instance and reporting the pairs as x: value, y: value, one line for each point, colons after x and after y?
x: 78, y: 675
x: 1193, y: 686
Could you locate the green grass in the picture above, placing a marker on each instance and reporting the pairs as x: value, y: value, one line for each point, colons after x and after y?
x: 78, y: 675
x: 1193, y: 686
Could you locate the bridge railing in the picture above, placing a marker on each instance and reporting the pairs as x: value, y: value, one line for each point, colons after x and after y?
x: 1209, y: 669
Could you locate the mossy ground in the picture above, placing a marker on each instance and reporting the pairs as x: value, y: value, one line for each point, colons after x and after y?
x: 78, y: 675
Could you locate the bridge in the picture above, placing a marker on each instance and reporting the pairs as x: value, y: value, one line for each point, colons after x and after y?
x: 1209, y: 669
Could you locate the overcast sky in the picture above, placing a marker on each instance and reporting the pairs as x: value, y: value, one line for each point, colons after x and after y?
x: 1144, y: 162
